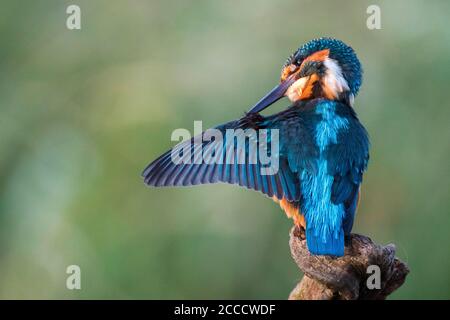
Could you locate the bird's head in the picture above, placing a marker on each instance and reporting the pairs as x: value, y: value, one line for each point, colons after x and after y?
x: 322, y: 68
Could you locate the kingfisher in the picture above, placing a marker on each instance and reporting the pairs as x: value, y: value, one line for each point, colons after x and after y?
x: 322, y: 148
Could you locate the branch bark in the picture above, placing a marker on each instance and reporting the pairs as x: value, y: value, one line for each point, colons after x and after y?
x: 345, y: 278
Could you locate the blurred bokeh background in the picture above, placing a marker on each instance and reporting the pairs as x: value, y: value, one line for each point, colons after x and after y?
x: 82, y: 113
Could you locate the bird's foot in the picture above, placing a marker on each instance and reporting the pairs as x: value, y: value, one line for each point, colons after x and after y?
x: 346, y: 277
x: 300, y: 232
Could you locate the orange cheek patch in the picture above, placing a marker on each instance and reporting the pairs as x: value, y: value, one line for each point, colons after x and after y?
x: 317, y: 56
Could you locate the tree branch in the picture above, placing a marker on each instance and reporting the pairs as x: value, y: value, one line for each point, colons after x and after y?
x: 345, y: 278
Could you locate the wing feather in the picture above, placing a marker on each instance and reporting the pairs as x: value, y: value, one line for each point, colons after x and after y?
x: 235, y: 168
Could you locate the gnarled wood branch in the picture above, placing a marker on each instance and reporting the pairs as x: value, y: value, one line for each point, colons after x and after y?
x: 345, y: 278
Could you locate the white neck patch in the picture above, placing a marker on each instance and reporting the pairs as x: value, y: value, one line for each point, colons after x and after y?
x: 334, y: 79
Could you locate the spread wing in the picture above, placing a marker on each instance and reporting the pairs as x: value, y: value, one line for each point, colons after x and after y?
x: 239, y: 163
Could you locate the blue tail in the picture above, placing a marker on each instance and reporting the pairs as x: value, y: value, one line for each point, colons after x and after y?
x: 332, y: 245
x: 324, y: 219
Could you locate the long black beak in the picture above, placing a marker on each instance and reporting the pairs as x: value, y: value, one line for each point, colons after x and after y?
x: 273, y: 96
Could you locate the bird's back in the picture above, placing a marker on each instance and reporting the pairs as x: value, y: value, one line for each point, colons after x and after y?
x: 333, y: 148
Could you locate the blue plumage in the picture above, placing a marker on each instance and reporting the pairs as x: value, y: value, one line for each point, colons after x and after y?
x: 327, y: 190
x: 321, y: 168
x: 323, y: 148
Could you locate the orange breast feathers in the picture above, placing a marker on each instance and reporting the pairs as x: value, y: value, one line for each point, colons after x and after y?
x: 307, y: 91
x: 292, y: 211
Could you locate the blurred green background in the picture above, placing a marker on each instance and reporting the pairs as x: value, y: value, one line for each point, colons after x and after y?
x: 83, y: 112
